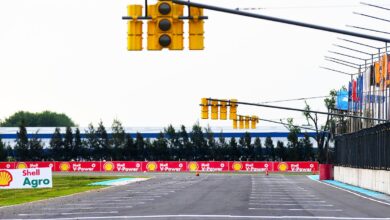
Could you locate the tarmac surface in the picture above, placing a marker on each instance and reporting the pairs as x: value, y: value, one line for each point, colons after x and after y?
x: 208, y: 196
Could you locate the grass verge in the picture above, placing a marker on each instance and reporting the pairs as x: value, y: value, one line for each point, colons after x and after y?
x: 62, y: 186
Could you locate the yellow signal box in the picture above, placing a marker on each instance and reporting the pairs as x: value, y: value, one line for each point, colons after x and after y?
x: 196, y: 29
x: 247, y: 120
x: 223, y: 110
x: 134, y: 28
x: 165, y: 30
x: 214, y: 110
x: 177, y: 28
x: 233, y: 109
x: 234, y: 123
x: 205, y: 108
x: 241, y: 121
x: 254, y: 120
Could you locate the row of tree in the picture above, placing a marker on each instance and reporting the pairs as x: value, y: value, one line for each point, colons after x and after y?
x: 171, y: 144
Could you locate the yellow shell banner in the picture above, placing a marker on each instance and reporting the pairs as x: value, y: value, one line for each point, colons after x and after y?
x: 193, y: 166
x: 5, y: 178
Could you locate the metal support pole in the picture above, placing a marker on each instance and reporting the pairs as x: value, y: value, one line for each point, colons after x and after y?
x: 280, y: 20
x: 146, y: 8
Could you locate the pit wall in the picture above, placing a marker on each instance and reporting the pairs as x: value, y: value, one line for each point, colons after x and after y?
x: 167, y: 166
x: 376, y: 180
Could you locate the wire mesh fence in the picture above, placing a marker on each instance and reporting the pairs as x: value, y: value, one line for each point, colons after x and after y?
x: 368, y: 148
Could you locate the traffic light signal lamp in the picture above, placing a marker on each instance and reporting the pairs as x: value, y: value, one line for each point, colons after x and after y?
x: 246, y: 122
x: 219, y: 110
x: 165, y: 26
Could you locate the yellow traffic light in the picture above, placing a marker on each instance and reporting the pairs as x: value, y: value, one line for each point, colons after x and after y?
x: 165, y: 30
x: 134, y: 26
x: 205, y: 108
x: 214, y: 110
x: 233, y: 109
x: 196, y: 30
x: 254, y: 120
x: 177, y: 28
x: 223, y: 110
x: 247, y: 119
x: 241, y: 121
x: 234, y: 123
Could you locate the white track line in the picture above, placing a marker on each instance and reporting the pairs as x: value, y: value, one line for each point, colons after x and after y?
x: 217, y: 217
x: 280, y: 209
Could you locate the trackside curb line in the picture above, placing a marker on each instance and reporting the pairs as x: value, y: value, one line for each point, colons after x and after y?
x: 354, y: 193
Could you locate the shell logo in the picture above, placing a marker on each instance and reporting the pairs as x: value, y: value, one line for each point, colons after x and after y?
x: 237, y: 166
x: 151, y: 166
x: 65, y: 166
x: 282, y: 167
x: 21, y: 166
x: 108, y: 166
x: 5, y: 178
x: 193, y: 166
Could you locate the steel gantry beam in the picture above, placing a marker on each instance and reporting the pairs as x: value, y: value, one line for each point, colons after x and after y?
x: 280, y: 20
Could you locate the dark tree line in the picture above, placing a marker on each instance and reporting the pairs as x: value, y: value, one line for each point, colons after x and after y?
x: 39, y: 119
x: 171, y: 144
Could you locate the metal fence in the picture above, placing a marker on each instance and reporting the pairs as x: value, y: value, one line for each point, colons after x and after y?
x: 368, y: 148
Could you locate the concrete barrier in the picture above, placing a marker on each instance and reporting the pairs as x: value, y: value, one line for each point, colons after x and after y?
x: 377, y: 180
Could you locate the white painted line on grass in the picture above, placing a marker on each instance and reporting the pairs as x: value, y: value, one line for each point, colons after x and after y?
x: 86, y: 208
x: 67, y: 213
x: 107, y: 204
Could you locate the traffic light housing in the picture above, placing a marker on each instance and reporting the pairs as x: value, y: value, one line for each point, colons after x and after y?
x: 233, y: 109
x: 241, y: 121
x: 134, y: 28
x: 205, y: 108
x: 254, y: 121
x: 223, y: 110
x: 234, y: 123
x: 165, y: 30
x: 214, y: 110
x: 247, y: 120
x: 196, y: 29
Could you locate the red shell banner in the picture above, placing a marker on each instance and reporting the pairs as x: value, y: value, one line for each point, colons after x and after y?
x: 166, y: 166
x: 291, y: 166
x: 247, y: 166
x: 122, y: 166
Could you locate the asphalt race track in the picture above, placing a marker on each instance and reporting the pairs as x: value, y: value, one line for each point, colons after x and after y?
x: 209, y: 196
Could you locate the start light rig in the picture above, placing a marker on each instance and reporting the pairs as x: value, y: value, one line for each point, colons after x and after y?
x: 165, y: 26
x: 219, y: 110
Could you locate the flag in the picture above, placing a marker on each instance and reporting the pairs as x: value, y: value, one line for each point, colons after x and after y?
x: 372, y: 75
x: 354, y: 91
x: 377, y: 74
x: 342, y: 100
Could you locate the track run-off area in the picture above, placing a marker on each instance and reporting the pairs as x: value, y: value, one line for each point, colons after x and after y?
x: 208, y: 196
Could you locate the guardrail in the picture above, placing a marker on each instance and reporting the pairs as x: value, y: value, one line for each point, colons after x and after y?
x: 167, y: 166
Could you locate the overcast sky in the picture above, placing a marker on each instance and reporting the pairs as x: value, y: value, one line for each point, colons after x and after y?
x: 70, y: 56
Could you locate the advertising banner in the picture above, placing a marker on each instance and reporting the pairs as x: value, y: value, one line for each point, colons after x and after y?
x: 295, y: 166
x: 63, y: 166
x: 247, y: 166
x: 122, y: 166
x: 7, y: 165
x: 208, y: 166
x: 164, y: 166
x: 38, y: 164
x: 26, y: 178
